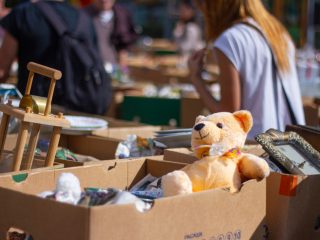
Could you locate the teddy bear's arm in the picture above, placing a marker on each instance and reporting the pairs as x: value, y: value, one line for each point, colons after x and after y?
x: 253, y: 167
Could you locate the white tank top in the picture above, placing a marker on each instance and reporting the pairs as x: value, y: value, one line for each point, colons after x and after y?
x: 249, y: 53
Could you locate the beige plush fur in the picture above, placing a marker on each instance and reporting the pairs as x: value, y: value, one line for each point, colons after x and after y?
x: 218, y: 166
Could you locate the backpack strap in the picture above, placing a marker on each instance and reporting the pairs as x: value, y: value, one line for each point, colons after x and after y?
x: 60, y: 27
x: 54, y: 19
x: 277, y: 75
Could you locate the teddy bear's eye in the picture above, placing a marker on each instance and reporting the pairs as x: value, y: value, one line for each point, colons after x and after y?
x: 219, y: 125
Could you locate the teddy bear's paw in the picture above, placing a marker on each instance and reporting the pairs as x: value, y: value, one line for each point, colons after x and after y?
x: 263, y: 172
x: 253, y: 167
x: 176, y: 183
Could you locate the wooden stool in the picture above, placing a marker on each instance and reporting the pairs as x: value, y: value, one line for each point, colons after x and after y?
x: 27, y: 117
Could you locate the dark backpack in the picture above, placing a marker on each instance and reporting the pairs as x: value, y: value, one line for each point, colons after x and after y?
x: 85, y: 85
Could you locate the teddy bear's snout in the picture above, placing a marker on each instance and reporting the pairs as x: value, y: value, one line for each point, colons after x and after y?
x: 199, y: 126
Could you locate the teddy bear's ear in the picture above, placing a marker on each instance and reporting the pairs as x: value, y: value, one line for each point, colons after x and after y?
x: 246, y: 119
x: 199, y: 118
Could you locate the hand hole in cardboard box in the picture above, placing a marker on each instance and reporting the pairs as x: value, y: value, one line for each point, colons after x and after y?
x: 17, y: 234
x: 112, y: 167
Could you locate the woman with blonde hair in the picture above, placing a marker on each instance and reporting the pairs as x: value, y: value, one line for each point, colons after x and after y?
x: 256, y: 58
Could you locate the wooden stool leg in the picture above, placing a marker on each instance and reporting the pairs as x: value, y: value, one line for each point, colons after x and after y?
x: 21, y: 142
x: 54, y: 141
x: 27, y: 164
x: 3, y: 130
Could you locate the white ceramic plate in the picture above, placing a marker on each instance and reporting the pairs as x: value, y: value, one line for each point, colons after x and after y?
x: 179, y: 130
x: 80, y: 125
x: 172, y: 134
x: 86, y: 122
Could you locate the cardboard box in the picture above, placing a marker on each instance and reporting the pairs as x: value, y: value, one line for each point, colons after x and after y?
x: 6, y: 163
x: 102, y: 145
x: 123, y: 132
x: 11, y: 140
x: 293, y: 209
x: 213, y: 214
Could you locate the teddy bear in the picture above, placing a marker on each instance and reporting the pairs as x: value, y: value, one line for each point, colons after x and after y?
x: 217, y: 141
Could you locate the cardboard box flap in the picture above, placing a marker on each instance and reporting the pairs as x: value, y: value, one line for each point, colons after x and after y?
x: 98, y: 147
x: 183, y: 155
x: 159, y: 168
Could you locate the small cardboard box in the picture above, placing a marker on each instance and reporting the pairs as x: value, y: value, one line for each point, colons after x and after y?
x: 213, y: 214
x: 293, y: 209
x: 104, y: 145
x: 123, y: 132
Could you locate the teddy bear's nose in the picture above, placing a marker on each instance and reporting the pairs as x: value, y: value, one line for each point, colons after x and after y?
x: 198, y: 127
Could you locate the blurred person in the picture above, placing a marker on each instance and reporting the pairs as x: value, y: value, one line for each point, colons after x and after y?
x: 241, y: 33
x: 29, y: 36
x: 187, y: 33
x: 115, y: 30
x: 3, y: 12
x: 3, y: 9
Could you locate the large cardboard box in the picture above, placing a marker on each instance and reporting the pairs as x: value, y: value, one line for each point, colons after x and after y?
x: 293, y: 210
x: 213, y: 214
